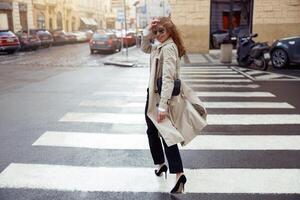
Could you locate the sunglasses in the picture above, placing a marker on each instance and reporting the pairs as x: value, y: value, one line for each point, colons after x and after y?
x: 159, y: 30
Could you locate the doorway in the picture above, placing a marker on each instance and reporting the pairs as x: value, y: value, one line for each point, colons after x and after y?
x: 223, y: 12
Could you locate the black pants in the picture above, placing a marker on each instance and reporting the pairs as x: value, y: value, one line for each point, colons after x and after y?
x: 172, y: 152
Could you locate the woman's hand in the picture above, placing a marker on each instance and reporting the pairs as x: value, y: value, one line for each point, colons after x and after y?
x: 161, y: 116
x: 152, y: 24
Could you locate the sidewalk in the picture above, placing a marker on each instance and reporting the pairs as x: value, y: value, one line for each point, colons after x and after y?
x: 139, y: 59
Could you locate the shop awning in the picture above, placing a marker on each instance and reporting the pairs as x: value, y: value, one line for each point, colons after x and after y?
x: 88, y: 21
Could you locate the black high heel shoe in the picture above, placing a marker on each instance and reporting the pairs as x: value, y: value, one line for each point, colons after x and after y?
x: 179, y: 186
x: 159, y: 172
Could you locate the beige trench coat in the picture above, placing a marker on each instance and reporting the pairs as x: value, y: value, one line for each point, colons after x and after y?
x: 186, y: 114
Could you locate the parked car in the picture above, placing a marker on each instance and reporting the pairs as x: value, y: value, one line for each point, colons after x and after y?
x: 104, y: 42
x: 129, y: 40
x: 9, y: 42
x: 89, y: 33
x: 71, y: 38
x: 60, y: 37
x: 80, y: 36
x: 44, y: 35
x: 28, y: 40
x: 285, y: 51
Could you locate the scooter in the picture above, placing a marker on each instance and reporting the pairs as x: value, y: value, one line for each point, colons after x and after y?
x: 252, y: 54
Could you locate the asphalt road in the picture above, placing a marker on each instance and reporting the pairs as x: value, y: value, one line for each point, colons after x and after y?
x: 72, y: 128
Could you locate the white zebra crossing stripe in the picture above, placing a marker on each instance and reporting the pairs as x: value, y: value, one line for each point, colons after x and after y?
x: 268, y: 76
x: 218, y: 80
x: 224, y: 85
x: 208, y: 67
x: 206, y: 70
x: 140, y: 141
x: 213, y: 76
x: 234, y: 94
x: 212, y: 119
x: 200, y: 94
x: 226, y: 72
x: 117, y: 179
x: 237, y: 104
x: 253, y: 119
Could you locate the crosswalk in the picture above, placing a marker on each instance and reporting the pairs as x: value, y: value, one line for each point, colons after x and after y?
x: 217, y: 162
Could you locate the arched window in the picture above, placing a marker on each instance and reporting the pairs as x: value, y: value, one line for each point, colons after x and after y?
x: 59, y: 21
x: 41, y: 20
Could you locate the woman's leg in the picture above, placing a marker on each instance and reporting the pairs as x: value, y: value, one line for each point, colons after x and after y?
x: 153, y: 138
x: 174, y: 159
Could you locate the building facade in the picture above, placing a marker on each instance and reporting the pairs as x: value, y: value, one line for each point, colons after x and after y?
x: 16, y: 15
x: 69, y: 15
x: 199, y: 20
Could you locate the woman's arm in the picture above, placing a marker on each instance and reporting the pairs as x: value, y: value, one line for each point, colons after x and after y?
x: 148, y: 36
x: 146, y: 45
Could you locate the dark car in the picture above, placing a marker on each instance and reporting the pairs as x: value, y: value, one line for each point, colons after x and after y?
x: 104, y: 42
x: 60, y: 37
x: 285, y: 51
x: 44, y: 35
x: 9, y: 42
x: 28, y: 40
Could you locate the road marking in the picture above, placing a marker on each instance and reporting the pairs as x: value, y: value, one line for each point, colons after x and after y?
x: 236, y: 104
x: 253, y: 119
x: 224, y: 85
x: 207, y: 70
x: 234, y: 94
x: 140, y: 141
x: 214, y: 76
x: 268, y: 76
x: 200, y: 94
x: 212, y: 119
x: 185, y: 73
x: 211, y: 67
x: 117, y: 179
x: 219, y: 80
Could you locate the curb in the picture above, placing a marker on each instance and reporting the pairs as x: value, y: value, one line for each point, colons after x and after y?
x: 121, y: 64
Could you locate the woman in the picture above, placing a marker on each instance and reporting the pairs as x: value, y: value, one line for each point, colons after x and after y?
x: 177, y: 119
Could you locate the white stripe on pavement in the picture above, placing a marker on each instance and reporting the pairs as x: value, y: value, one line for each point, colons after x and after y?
x: 208, y: 67
x: 224, y: 85
x: 213, y: 76
x: 234, y: 94
x: 218, y: 80
x: 200, y: 94
x: 213, y: 119
x: 117, y: 179
x: 268, y: 76
x: 140, y: 141
x: 237, y: 104
x: 253, y: 119
x: 185, y: 73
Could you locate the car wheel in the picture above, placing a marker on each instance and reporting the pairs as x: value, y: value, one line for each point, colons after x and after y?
x: 279, y: 58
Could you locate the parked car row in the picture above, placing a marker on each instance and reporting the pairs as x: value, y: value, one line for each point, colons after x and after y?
x: 111, y: 40
x: 33, y: 39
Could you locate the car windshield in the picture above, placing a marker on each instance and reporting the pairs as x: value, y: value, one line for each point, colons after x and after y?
x: 100, y: 36
x: 8, y: 33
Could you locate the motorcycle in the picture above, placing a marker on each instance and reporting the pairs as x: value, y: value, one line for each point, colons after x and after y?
x: 252, y: 54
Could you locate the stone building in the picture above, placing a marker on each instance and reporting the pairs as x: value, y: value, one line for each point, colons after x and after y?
x: 199, y: 20
x: 69, y: 15
x: 16, y: 15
